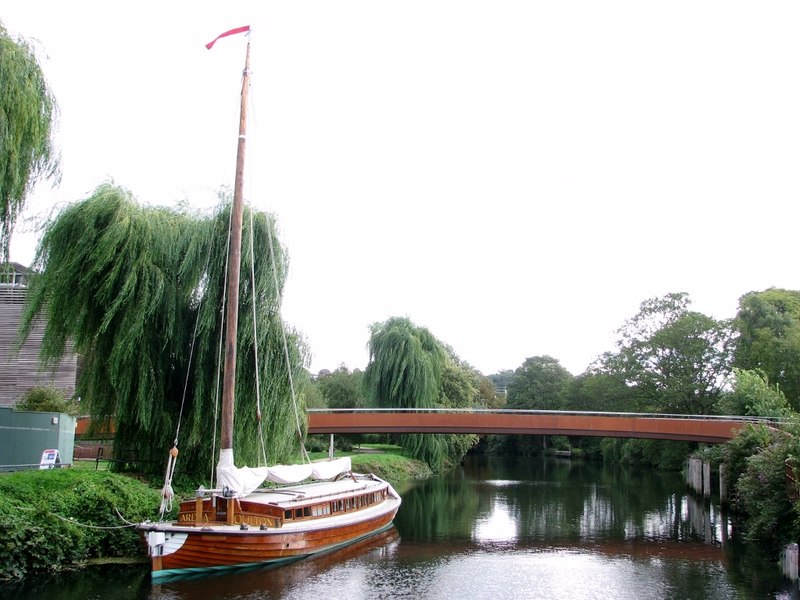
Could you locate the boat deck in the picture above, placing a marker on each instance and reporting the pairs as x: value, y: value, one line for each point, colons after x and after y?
x: 298, y: 495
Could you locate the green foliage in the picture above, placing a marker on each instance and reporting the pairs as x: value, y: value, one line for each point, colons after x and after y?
x: 762, y: 496
x: 751, y: 440
x: 342, y: 389
x: 676, y: 359
x: 405, y: 365
x: 502, y: 379
x: 540, y: 383
x: 598, y: 391
x: 753, y: 395
x: 768, y: 324
x: 128, y: 284
x: 28, y: 112
x: 47, y: 399
x: 488, y: 397
x: 311, y: 391
x: 660, y: 454
x: 460, y: 386
x: 410, y: 368
x: 42, y: 513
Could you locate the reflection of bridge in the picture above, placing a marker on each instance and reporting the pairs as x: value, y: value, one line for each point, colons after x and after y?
x: 694, y: 428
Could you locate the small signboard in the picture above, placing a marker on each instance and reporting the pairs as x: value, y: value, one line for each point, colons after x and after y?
x: 50, y: 459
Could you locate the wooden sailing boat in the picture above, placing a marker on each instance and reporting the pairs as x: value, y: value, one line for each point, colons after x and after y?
x: 239, y: 525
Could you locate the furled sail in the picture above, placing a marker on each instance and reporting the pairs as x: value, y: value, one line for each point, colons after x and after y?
x: 241, y: 481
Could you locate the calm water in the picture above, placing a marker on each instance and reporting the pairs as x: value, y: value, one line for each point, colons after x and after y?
x: 549, y: 529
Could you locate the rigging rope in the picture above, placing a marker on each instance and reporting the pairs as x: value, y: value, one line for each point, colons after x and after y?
x: 287, y: 357
x: 219, y: 350
x: 255, y: 343
x: 263, y: 457
x: 167, y: 493
x: 286, y: 352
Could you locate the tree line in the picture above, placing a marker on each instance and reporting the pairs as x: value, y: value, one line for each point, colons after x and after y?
x: 668, y: 359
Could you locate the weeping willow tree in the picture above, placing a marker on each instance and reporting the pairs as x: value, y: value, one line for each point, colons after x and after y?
x: 409, y: 368
x: 138, y: 291
x: 27, y: 115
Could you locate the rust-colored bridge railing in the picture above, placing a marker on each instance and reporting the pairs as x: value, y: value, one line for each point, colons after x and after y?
x: 695, y: 428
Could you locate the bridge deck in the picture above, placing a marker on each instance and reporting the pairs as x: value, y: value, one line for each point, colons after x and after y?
x: 695, y: 429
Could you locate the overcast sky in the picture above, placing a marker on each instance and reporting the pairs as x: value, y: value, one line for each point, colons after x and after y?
x: 515, y: 176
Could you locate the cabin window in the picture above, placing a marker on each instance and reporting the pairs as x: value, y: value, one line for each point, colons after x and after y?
x: 297, y: 513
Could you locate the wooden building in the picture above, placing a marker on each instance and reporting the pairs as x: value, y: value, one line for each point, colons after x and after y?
x: 22, y: 370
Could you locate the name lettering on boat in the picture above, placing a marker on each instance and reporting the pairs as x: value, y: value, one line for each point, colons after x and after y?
x: 190, y: 518
x: 237, y: 519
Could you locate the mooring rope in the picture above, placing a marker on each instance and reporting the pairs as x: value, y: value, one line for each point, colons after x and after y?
x: 72, y: 520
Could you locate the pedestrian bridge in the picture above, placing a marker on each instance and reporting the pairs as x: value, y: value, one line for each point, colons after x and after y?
x: 691, y: 428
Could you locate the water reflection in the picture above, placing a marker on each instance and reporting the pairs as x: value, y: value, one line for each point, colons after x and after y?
x: 498, y: 526
x: 553, y: 507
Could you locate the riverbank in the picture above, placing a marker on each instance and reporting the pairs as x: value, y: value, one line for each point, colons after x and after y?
x: 68, y: 518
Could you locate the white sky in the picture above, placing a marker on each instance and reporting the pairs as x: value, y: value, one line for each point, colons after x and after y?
x: 517, y: 176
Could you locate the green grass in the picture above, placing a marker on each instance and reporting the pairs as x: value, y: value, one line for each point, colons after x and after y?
x: 384, y: 460
x: 90, y: 465
x: 394, y: 468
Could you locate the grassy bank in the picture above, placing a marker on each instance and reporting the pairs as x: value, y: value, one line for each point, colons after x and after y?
x: 62, y: 518
x: 65, y: 518
x: 385, y: 461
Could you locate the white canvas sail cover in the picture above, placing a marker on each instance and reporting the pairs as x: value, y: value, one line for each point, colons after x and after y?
x: 242, y: 481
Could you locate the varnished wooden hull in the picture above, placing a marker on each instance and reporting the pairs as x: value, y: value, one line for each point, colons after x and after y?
x: 215, y: 548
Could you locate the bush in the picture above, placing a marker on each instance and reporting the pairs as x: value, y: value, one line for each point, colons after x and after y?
x: 47, y: 399
x: 756, y: 461
x: 662, y: 454
x: 43, y: 513
x: 763, y: 498
x: 749, y: 441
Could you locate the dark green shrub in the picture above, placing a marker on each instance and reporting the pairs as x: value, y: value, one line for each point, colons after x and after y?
x: 763, y: 498
x: 47, y: 399
x: 56, y: 519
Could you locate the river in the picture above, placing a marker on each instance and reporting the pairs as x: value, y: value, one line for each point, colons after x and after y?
x: 538, y: 528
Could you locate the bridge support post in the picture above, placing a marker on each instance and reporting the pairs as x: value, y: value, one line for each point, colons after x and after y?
x: 694, y: 475
x: 790, y: 561
x: 706, y: 479
x: 723, y: 485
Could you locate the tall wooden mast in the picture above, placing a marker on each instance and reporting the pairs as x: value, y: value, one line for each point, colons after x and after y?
x: 234, y: 263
